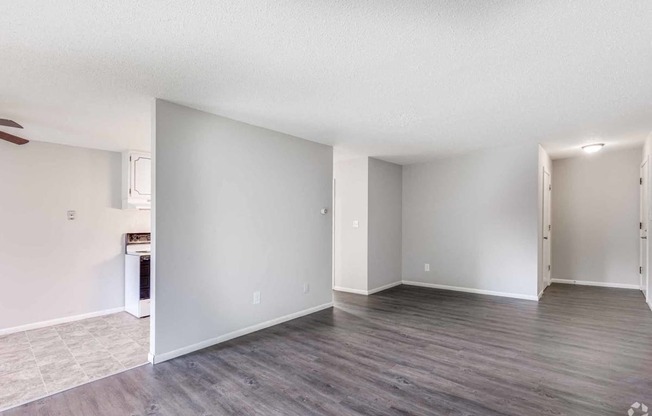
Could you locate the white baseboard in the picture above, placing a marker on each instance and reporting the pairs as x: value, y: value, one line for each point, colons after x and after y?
x: 540, y: 294
x: 367, y: 292
x: 159, y: 358
x: 51, y: 322
x: 384, y: 287
x: 349, y: 290
x: 470, y: 290
x: 600, y: 284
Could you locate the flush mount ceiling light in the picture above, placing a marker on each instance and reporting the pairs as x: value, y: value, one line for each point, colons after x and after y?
x: 592, y: 148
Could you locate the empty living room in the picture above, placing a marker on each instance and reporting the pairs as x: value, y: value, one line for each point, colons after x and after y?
x: 326, y: 208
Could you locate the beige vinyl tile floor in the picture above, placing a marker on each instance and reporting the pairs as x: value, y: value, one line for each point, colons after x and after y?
x: 45, y: 361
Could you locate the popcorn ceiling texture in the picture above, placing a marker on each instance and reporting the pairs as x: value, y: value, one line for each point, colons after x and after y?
x: 404, y: 81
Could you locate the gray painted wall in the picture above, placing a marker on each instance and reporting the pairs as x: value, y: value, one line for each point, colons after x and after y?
x: 52, y: 268
x: 473, y: 218
x: 237, y: 210
x: 351, y: 204
x: 385, y: 223
x: 595, y: 217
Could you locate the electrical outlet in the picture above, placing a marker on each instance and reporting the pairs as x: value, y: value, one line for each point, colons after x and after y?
x: 306, y: 287
x: 72, y: 215
x: 427, y: 267
x: 256, y: 298
x: 356, y: 224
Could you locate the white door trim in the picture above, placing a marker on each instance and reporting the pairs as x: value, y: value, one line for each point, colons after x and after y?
x: 333, y: 214
x: 546, y: 234
x: 644, y: 259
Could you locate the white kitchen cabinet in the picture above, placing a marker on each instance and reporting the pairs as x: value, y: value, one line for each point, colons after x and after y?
x: 136, y: 180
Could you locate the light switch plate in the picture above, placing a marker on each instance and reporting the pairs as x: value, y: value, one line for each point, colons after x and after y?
x: 427, y: 267
x: 256, y: 298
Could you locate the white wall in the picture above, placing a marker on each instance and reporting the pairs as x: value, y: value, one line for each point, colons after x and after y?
x: 351, y: 204
x: 50, y: 267
x: 385, y: 223
x: 544, y: 163
x: 595, y: 217
x: 473, y: 218
x: 237, y: 210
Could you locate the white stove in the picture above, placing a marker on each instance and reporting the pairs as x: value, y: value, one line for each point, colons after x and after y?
x: 137, y: 274
x: 139, y: 249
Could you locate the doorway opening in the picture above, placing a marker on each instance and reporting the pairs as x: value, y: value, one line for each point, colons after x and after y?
x: 66, y: 315
x: 599, y: 212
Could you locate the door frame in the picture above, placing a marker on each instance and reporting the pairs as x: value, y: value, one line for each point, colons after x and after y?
x: 333, y: 233
x: 546, y: 233
x: 644, y: 257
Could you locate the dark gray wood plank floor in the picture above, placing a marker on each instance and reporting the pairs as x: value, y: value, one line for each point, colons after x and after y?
x: 580, y: 351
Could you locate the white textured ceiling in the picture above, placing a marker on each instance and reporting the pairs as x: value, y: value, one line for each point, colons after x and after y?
x: 401, y: 80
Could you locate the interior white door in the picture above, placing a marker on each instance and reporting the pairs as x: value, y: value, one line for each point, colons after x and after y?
x: 643, y: 228
x: 547, y: 227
